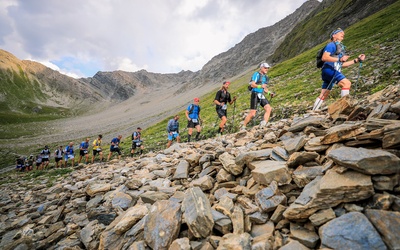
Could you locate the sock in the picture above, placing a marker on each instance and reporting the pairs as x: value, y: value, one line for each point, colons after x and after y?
x: 131, y: 155
x: 318, y: 103
x: 189, y: 137
x: 141, y: 151
x: 219, y: 130
x: 345, y: 91
x: 197, y: 136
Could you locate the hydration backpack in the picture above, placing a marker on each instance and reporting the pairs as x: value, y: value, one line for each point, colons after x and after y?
x: 319, y: 62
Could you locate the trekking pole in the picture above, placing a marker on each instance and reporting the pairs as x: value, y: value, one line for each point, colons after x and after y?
x: 233, y: 120
x: 358, y: 76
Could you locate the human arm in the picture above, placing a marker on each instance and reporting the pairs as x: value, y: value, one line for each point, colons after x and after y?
x: 360, y: 58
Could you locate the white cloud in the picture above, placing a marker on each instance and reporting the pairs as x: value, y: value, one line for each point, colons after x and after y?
x: 83, y: 37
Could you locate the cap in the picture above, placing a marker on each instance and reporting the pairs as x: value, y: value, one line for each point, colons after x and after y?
x: 338, y: 30
x: 226, y: 82
x: 264, y: 65
x: 196, y: 99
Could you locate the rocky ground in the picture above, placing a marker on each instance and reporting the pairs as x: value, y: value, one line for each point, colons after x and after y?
x: 327, y: 179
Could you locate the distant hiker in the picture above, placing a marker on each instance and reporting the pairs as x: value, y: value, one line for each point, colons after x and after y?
x: 29, y: 162
x: 97, y: 148
x: 222, y: 98
x: 69, y: 154
x: 258, y: 85
x: 115, y: 147
x: 38, y: 162
x: 137, y: 141
x: 84, y: 151
x: 58, y: 155
x: 335, y: 58
x: 193, y: 116
x: 173, y: 130
x: 20, y: 164
x: 45, y: 153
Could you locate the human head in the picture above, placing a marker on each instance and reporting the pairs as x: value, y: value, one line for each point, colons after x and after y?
x: 139, y: 128
x: 71, y: 143
x: 119, y: 137
x: 100, y: 136
x: 176, y: 117
x: 264, y: 65
x: 335, y: 33
x: 46, y: 147
x: 87, y: 139
x: 61, y: 146
x: 196, y: 99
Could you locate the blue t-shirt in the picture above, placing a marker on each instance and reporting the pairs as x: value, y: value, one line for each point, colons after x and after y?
x: 116, y: 143
x: 259, y: 79
x: 84, y: 145
x: 194, y: 114
x: 69, y: 150
x: 331, y: 48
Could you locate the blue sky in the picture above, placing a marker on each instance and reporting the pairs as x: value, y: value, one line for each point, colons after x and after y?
x: 79, y: 38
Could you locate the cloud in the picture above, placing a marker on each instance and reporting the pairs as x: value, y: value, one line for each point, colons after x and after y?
x: 163, y: 36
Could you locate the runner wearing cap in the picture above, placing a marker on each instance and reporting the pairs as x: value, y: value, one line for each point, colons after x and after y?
x: 221, y: 100
x: 258, y: 85
x: 193, y: 115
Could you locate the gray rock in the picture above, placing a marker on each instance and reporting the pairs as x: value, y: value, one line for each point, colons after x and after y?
x: 162, y: 224
x: 340, y: 233
x: 197, y: 210
x: 294, y: 144
x: 388, y: 225
x: 182, y: 170
x: 270, y: 197
x: 267, y: 171
x: 228, y: 162
x: 368, y: 161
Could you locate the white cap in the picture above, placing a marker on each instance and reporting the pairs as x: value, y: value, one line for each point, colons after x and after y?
x: 266, y: 65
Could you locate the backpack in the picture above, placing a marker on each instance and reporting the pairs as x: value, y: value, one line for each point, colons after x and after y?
x: 319, y: 62
x: 135, y: 134
x: 259, y: 81
x: 192, y: 108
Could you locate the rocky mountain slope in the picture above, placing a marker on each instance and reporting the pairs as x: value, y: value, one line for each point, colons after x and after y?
x: 302, y: 183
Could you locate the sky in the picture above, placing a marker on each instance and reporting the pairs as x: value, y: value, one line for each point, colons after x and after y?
x: 81, y: 37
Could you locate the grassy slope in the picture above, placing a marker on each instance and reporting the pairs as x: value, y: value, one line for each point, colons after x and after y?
x: 297, y: 81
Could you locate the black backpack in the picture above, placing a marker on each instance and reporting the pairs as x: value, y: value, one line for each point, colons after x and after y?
x: 320, y: 52
x: 320, y: 63
x: 192, y: 108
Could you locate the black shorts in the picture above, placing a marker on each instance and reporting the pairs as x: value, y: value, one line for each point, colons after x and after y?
x: 45, y: 159
x: 115, y: 150
x: 58, y: 159
x: 136, y: 144
x: 83, y: 152
x: 95, y: 152
x: 221, y: 112
x: 192, y: 124
x: 254, y: 100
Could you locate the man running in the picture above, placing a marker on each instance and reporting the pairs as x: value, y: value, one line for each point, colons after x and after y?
x: 222, y: 98
x: 173, y: 130
x: 193, y: 116
x: 45, y: 157
x: 258, y: 85
x: 335, y: 58
x: 69, y: 154
x: 97, y: 148
x: 84, y: 151
x: 115, y: 147
x: 58, y: 155
x: 137, y: 141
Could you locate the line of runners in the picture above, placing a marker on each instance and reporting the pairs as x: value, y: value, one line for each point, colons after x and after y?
x: 334, y: 58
